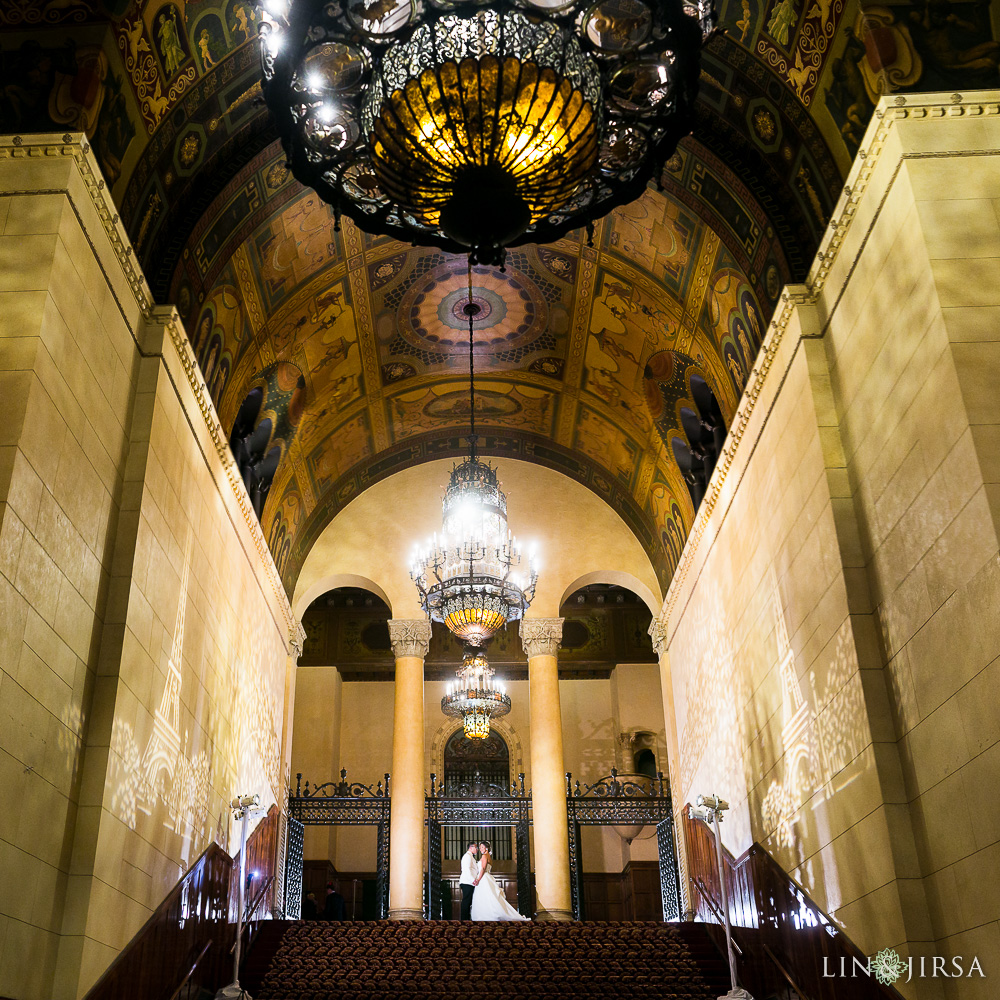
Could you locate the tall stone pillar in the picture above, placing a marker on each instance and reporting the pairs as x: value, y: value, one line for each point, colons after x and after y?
x: 540, y: 638
x: 410, y: 639
x: 658, y: 634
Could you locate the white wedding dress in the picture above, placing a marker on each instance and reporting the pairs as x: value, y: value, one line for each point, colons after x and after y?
x: 488, y: 902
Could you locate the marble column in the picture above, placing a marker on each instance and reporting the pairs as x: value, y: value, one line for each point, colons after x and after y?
x: 540, y: 638
x: 658, y: 634
x: 410, y: 639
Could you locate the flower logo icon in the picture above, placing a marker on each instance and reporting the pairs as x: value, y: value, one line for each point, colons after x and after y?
x: 888, y: 966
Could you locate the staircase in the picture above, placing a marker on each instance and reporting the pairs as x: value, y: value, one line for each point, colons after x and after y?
x: 484, y: 961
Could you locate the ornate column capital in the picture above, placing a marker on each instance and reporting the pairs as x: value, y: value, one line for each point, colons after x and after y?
x: 409, y: 636
x: 541, y: 636
x: 658, y: 633
x: 297, y: 639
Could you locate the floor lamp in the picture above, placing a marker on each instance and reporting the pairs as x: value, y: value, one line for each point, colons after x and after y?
x: 243, y: 806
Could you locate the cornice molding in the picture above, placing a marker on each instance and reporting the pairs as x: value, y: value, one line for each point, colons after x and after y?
x: 890, y: 110
x: 75, y: 147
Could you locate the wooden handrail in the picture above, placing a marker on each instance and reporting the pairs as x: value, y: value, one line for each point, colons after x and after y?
x: 190, y: 972
x: 192, y: 919
x: 699, y: 884
x: 213, y: 854
x: 256, y: 902
x: 786, y: 939
x: 251, y: 909
x: 791, y: 982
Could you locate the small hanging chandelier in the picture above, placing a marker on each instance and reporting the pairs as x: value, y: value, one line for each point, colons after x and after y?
x: 469, y: 578
x: 474, y: 126
x: 475, y: 697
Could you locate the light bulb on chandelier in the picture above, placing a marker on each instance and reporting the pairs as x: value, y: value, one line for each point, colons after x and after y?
x: 475, y: 697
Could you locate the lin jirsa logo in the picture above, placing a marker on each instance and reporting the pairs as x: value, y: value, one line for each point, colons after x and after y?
x: 888, y: 968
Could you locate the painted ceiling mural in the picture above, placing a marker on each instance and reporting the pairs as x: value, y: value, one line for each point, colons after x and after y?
x: 567, y: 341
x: 587, y: 352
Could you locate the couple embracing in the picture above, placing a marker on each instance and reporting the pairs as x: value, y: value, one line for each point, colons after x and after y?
x: 482, y: 898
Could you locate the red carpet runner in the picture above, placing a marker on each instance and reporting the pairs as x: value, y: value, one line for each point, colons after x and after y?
x: 487, y: 961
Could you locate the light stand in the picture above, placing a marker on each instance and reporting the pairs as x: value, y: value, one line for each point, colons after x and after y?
x: 710, y: 810
x: 243, y: 806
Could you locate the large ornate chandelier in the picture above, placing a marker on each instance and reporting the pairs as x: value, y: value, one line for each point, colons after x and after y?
x: 475, y: 697
x: 474, y: 126
x: 469, y: 577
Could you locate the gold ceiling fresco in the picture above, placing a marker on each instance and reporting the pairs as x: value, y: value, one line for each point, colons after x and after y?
x: 569, y: 341
x: 586, y: 353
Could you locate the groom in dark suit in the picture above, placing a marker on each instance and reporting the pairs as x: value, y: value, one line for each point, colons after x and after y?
x: 468, y: 878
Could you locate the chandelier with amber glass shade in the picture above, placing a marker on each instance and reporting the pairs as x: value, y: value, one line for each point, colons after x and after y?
x: 474, y: 126
x: 475, y: 697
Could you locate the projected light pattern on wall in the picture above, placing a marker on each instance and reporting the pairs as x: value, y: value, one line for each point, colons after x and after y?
x: 753, y: 725
x: 202, y: 744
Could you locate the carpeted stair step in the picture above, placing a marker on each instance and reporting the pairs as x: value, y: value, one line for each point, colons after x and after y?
x: 441, y: 960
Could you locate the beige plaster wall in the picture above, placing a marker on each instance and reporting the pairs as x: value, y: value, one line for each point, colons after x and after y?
x: 317, y: 712
x: 143, y: 635
x: 834, y: 627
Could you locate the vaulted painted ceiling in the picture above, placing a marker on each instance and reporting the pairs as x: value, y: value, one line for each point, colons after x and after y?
x: 585, y: 352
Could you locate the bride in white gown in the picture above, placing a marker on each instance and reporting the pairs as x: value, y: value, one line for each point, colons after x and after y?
x: 488, y: 902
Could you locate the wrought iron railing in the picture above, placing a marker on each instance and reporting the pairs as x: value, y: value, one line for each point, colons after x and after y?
x: 479, y: 805
x: 626, y: 800
x: 347, y: 803
x: 485, y: 782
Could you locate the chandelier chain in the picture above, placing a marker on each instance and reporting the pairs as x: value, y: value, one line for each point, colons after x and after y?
x: 471, y: 311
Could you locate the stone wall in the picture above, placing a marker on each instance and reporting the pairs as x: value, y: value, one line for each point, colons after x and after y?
x: 145, y: 639
x: 834, y: 627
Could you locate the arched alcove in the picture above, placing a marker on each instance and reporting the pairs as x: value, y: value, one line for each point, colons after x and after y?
x: 577, y: 534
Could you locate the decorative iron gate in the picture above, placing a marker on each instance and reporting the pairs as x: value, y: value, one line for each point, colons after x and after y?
x: 494, y: 805
x: 295, y: 838
x: 343, y: 803
x: 630, y: 801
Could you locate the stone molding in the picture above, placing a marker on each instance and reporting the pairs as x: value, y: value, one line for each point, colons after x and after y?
x: 912, y: 107
x: 297, y: 639
x: 76, y: 147
x: 409, y: 636
x: 541, y: 636
x: 658, y: 633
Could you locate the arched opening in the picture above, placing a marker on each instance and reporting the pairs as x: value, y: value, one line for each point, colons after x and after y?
x: 476, y: 769
x: 348, y: 627
x: 263, y: 476
x: 692, y: 471
x: 643, y: 748
x: 255, y: 456
x: 645, y: 763
x: 708, y: 429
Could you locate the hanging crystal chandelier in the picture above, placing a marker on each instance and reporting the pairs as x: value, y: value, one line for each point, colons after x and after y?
x: 475, y: 126
x: 469, y: 577
x: 475, y: 697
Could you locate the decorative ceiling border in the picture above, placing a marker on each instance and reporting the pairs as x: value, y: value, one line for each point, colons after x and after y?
x: 74, y: 146
x: 922, y: 107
